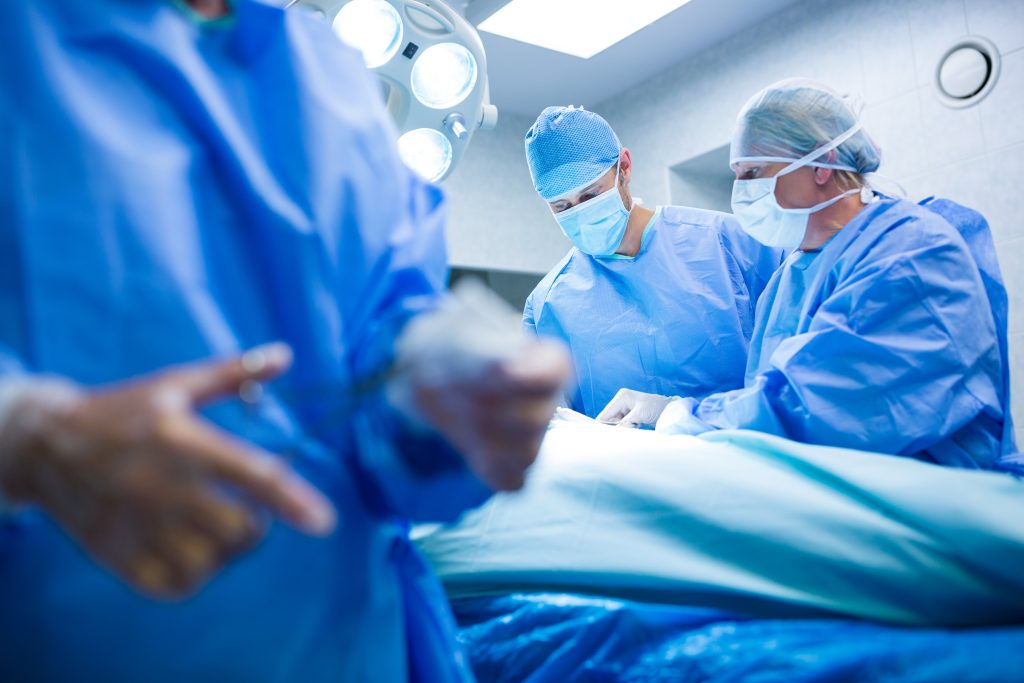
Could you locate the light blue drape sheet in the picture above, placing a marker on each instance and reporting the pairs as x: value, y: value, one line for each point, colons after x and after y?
x: 746, y: 521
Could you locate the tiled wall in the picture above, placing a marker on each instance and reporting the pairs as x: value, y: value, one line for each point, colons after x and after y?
x: 885, y: 50
x: 497, y: 221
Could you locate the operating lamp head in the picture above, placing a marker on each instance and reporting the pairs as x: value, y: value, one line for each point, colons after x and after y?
x: 433, y: 67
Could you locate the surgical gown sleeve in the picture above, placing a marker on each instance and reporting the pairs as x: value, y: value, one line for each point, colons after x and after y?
x: 12, y: 377
x: 393, y: 266
x: 9, y: 363
x: 530, y: 328
x: 416, y: 474
x: 898, y: 356
x: 11, y: 318
x: 529, y: 320
x: 757, y: 262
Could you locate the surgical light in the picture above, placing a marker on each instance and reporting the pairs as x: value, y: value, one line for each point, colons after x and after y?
x: 444, y: 75
x: 433, y: 68
x: 427, y: 152
x: 371, y: 26
x: 581, y: 28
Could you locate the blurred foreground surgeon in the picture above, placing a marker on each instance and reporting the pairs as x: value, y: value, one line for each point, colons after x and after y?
x: 885, y: 329
x: 661, y: 300
x: 180, y: 186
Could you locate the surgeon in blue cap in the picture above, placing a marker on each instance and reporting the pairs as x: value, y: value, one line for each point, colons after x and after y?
x: 884, y: 330
x: 185, y: 181
x: 656, y: 299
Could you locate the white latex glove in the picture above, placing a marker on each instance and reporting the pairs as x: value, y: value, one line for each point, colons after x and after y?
x: 563, y: 414
x: 469, y: 371
x: 634, y: 408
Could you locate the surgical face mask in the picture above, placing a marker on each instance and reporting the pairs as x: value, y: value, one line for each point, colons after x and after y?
x: 758, y: 211
x: 598, y: 225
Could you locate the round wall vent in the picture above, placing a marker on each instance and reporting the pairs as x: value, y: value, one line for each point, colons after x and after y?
x: 967, y: 72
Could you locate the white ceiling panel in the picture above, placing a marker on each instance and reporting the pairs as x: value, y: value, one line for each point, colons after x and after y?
x: 525, y: 78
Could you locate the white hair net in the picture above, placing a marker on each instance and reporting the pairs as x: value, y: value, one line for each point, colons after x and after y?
x: 792, y: 118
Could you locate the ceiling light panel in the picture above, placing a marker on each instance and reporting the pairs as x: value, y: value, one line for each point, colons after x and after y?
x: 581, y: 28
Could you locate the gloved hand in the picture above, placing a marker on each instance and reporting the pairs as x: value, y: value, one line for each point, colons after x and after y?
x: 631, y: 408
x: 468, y: 371
x: 136, y: 477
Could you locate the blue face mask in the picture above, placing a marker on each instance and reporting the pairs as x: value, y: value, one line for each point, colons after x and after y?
x: 597, y: 225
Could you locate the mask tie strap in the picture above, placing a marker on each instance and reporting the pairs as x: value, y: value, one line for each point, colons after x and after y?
x: 807, y: 158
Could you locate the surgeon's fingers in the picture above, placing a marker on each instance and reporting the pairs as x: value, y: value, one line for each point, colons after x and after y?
x: 174, y: 564
x: 502, y: 475
x: 176, y: 545
x: 510, y: 431
x: 540, y: 370
x: 123, y: 541
x: 503, y: 468
x: 510, y: 418
x: 190, y: 556
x: 621, y: 404
x: 262, y: 477
x: 148, y: 573
x: 508, y: 448
x: 204, y: 382
x: 186, y: 539
x: 634, y: 419
x: 231, y: 525
x: 110, y: 543
x: 521, y: 410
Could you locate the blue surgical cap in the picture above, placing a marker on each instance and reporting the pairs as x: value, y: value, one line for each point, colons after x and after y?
x: 567, y: 149
x: 792, y: 118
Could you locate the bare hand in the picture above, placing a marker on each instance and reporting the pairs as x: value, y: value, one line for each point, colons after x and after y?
x: 154, y: 492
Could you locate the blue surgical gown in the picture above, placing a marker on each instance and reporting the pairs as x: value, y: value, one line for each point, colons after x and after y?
x: 884, y: 341
x: 674, y: 319
x: 171, y: 192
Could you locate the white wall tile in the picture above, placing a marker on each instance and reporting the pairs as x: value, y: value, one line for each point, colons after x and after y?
x: 1002, y: 112
x: 886, y: 50
x: 950, y: 135
x: 965, y: 183
x: 1001, y: 21
x: 496, y: 218
x: 895, y: 126
x: 835, y: 44
x: 995, y: 190
x: 934, y: 26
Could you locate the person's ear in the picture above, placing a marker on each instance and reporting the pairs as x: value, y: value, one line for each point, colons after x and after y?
x: 625, y: 166
x: 822, y: 175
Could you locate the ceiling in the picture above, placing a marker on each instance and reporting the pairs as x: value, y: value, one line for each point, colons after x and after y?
x: 524, y: 78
